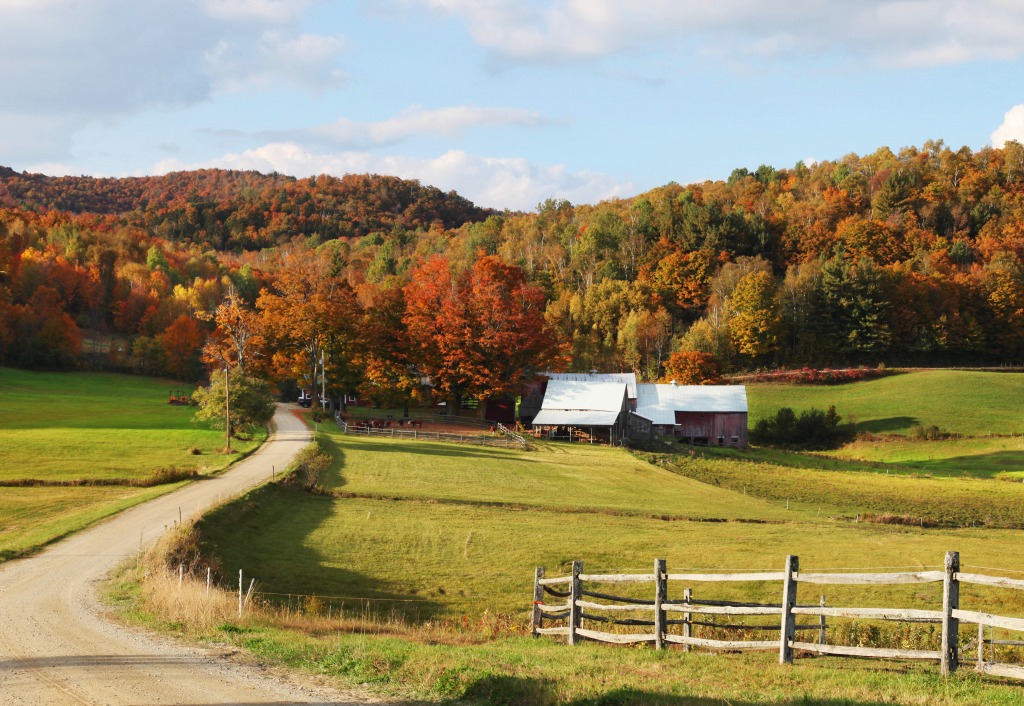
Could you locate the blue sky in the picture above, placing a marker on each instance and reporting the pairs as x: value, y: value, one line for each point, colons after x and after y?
x: 508, y: 102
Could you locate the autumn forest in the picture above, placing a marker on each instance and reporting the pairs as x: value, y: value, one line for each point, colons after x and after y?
x: 913, y: 257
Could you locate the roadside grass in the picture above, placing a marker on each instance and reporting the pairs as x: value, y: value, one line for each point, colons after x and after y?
x: 467, y: 663
x: 467, y: 651
x: 554, y: 476
x: 71, y: 426
x: 33, y: 517
x: 973, y: 403
x: 840, y: 490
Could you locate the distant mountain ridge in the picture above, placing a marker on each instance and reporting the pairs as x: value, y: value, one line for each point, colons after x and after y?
x: 231, y: 209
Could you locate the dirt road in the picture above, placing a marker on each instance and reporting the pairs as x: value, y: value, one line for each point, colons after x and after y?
x: 56, y: 648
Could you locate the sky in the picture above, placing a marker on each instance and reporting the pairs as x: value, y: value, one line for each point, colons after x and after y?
x: 508, y: 102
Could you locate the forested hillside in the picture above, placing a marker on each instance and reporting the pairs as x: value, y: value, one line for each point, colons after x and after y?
x: 895, y: 258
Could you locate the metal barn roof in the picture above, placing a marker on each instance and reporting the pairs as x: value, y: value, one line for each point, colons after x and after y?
x: 627, y: 379
x: 659, y: 403
x: 581, y: 403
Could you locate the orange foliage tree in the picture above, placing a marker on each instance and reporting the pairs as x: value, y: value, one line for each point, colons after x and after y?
x: 692, y: 368
x: 480, y: 332
x: 311, y: 315
x: 182, y: 341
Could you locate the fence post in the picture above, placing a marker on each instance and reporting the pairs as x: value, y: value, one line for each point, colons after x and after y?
x: 950, y: 625
x: 821, y: 623
x: 687, y: 617
x: 660, y: 596
x: 575, y: 594
x: 788, y: 631
x: 538, y: 598
x: 981, y: 646
x: 239, y: 593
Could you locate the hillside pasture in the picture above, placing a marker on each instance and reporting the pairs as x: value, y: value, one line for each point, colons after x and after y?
x: 964, y: 402
x: 554, y: 475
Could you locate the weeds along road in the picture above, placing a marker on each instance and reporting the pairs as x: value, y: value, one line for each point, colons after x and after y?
x: 56, y: 647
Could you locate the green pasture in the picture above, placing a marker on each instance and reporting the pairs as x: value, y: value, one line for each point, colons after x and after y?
x: 828, y: 487
x: 973, y: 403
x: 425, y: 560
x: 81, y: 427
x: 980, y: 457
x: 71, y: 426
x: 553, y: 475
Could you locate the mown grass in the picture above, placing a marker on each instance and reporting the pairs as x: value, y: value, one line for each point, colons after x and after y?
x: 552, y: 475
x: 64, y: 426
x: 426, y: 561
x: 33, y: 517
x: 91, y: 428
x: 974, y: 403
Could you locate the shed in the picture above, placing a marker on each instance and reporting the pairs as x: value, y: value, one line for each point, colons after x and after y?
x: 584, y: 410
x: 715, y: 415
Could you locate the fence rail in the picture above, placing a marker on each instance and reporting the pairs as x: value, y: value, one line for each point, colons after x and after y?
x: 420, y: 435
x: 579, y: 606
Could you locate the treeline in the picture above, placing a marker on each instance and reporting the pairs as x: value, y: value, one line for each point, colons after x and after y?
x: 912, y: 257
x: 245, y: 210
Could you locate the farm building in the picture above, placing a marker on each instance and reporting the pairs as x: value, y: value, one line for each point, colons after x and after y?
x: 583, y: 410
x: 715, y: 415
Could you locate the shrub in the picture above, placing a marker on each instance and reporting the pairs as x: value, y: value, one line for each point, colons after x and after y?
x: 919, y: 432
x: 812, y: 429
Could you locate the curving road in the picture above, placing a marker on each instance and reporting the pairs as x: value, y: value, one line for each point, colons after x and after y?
x: 57, y: 648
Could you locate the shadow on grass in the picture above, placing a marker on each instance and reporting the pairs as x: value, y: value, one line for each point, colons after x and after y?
x: 887, y: 425
x: 974, y: 465
x: 269, y: 534
x: 513, y: 691
x: 428, y: 448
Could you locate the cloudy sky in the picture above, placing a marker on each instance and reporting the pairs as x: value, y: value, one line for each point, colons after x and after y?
x: 509, y: 102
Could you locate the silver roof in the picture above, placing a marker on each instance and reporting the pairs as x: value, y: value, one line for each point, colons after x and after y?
x: 575, y: 418
x: 627, y: 379
x: 659, y: 403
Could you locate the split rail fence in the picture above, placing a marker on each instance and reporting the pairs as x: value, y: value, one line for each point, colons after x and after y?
x: 582, y: 606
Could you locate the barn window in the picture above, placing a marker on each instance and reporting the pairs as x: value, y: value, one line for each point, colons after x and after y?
x: 721, y: 441
x: 735, y: 439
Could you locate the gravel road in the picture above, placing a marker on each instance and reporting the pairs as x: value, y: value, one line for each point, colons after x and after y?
x: 56, y: 647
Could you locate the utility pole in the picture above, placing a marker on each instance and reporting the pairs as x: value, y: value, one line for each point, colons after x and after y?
x: 227, y: 411
x: 323, y: 384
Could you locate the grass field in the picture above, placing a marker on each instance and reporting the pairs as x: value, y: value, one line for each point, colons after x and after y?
x: 972, y: 403
x: 553, y: 475
x: 66, y: 426
x: 428, y: 551
x: 71, y: 427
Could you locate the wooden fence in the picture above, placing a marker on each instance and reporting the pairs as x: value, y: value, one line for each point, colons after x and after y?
x: 504, y: 441
x: 578, y: 608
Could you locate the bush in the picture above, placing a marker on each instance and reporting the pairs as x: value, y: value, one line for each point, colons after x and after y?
x: 812, y: 429
x: 919, y: 432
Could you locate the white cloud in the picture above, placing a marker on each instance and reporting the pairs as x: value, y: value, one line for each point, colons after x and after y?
x: 267, y: 11
x: 1012, y: 127
x: 276, y: 58
x: 512, y: 183
x: 884, y: 32
x: 416, y: 120
x: 102, y: 59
